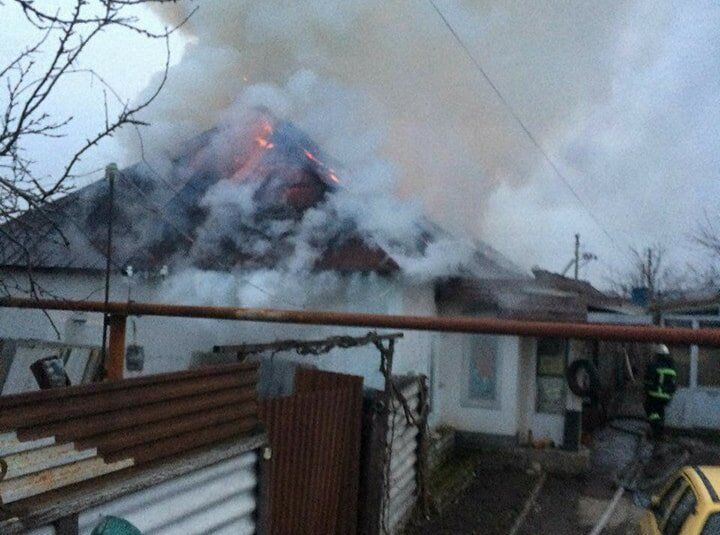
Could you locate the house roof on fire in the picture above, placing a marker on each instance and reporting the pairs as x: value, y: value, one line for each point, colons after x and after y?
x: 159, y: 218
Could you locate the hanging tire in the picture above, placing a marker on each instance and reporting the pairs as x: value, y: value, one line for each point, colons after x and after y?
x: 583, y: 378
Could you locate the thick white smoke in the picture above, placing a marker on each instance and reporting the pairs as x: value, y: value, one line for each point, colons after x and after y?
x: 619, y: 94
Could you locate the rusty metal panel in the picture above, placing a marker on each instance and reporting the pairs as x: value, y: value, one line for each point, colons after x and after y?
x: 50, y: 439
x: 315, y: 439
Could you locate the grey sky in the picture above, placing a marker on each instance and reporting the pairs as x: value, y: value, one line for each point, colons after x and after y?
x: 623, y: 96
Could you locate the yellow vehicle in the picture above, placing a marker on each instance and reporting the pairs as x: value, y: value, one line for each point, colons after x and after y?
x: 688, y: 505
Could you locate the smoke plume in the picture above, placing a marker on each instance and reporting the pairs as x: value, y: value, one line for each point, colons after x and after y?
x: 618, y: 94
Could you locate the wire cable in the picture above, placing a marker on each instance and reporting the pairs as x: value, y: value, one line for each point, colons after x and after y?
x: 522, y: 125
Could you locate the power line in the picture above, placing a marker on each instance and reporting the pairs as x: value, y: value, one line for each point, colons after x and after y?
x: 521, y: 123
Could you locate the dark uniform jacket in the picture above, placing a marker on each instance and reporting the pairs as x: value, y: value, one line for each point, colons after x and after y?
x: 660, y: 378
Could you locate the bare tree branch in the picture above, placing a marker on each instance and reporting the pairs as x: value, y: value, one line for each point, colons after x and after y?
x: 27, y: 83
x: 649, y: 270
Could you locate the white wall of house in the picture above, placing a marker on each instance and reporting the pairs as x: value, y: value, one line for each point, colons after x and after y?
x: 455, y: 403
x: 170, y: 342
x: 445, y: 358
x: 513, y: 411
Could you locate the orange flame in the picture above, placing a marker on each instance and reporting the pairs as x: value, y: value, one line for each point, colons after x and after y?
x: 249, y: 161
x: 330, y: 172
x: 263, y: 138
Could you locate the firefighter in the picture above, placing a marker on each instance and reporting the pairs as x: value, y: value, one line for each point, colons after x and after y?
x: 660, y: 383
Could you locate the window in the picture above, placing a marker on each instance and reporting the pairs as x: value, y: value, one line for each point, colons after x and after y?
x: 684, y: 508
x: 482, y: 366
x: 708, y: 358
x: 712, y: 525
x: 550, y: 381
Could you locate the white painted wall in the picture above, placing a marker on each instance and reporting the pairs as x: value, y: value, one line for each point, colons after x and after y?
x: 451, y: 385
x: 170, y: 342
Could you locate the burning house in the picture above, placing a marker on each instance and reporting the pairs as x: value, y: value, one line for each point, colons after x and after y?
x: 257, y: 215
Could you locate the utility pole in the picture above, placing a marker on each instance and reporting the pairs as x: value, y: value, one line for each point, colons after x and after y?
x: 577, y: 256
x: 650, y: 281
x: 110, y: 172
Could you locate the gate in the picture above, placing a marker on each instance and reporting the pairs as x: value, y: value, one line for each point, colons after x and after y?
x: 315, y: 439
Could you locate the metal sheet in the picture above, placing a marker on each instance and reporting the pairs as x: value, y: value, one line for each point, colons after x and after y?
x: 35, y: 460
x: 216, y: 499
x: 34, y: 483
x: 60, y: 437
x: 315, y: 439
x: 10, y: 444
x: 402, y: 437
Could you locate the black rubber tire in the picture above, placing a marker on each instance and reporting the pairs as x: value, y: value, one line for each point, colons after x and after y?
x: 583, y: 391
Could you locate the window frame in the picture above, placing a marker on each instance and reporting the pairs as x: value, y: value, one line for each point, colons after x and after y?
x: 550, y: 377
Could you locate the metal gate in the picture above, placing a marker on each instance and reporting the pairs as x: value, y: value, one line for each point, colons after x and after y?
x: 315, y: 439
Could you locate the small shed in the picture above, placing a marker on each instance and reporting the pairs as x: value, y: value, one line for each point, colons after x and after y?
x: 170, y: 453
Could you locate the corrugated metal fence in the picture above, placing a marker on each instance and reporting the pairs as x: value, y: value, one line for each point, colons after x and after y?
x: 173, y: 453
x: 405, y: 425
x: 315, y: 440
x: 393, y: 442
x: 216, y: 499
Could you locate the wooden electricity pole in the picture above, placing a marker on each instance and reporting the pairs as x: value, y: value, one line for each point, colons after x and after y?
x: 577, y: 256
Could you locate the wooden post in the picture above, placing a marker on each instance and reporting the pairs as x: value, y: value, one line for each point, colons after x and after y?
x: 115, y: 362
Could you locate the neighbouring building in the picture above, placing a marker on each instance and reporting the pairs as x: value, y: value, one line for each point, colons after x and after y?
x: 696, y: 404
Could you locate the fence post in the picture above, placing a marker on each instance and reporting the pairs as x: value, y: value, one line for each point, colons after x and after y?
x: 115, y: 363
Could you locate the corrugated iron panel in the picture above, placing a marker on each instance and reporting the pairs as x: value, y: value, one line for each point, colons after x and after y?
x: 402, y: 437
x: 216, y: 499
x: 315, y: 438
x: 53, y: 438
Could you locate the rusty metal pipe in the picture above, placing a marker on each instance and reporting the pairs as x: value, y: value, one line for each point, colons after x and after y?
x: 460, y: 324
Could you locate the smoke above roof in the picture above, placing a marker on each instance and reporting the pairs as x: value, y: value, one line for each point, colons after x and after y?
x: 607, y: 89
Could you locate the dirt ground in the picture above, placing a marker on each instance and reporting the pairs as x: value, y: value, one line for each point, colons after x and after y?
x: 564, y: 505
x: 490, y: 505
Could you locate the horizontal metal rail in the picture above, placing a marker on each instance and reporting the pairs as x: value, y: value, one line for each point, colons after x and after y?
x: 459, y: 324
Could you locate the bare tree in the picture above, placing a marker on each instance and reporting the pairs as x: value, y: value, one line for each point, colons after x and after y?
x: 29, y: 80
x: 649, y: 269
x: 707, y: 238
